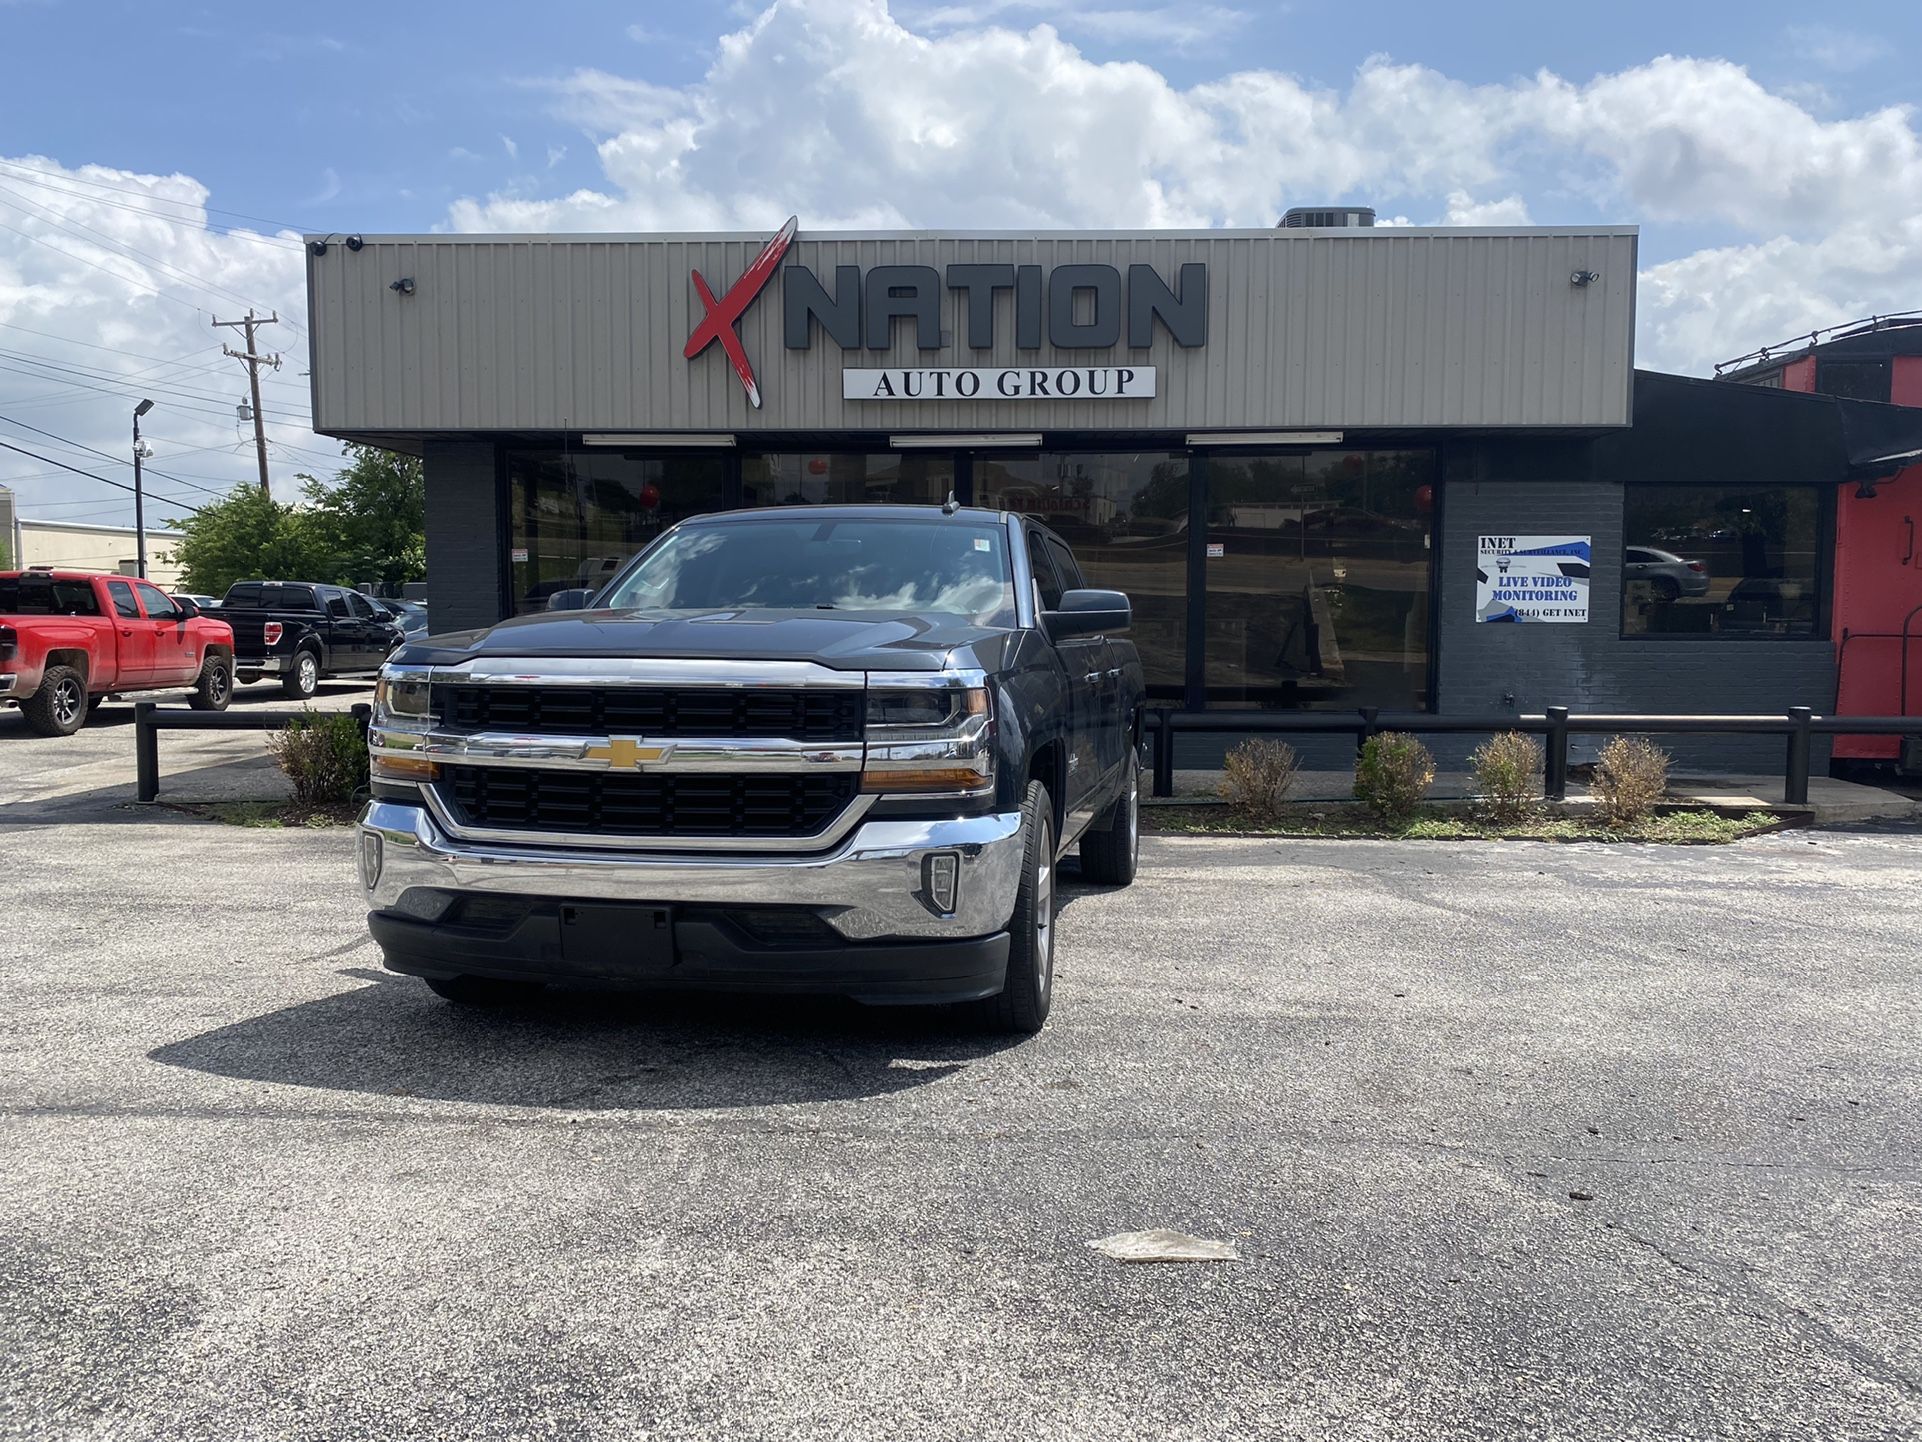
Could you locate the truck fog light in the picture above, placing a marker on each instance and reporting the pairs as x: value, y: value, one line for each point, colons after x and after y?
x: 370, y: 859
x: 941, y: 881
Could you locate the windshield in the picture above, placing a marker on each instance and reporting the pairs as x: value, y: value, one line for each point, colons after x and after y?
x: 952, y: 567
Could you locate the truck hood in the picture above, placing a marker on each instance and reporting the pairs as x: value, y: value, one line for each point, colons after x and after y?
x: 869, y: 641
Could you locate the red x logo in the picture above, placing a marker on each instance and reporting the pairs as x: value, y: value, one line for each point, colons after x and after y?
x: 722, y: 315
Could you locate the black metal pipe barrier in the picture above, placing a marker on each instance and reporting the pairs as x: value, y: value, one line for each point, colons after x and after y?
x: 150, y: 719
x: 1556, y: 725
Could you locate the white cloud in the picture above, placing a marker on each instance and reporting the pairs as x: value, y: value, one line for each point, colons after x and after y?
x: 555, y: 155
x: 328, y: 189
x: 941, y: 115
x: 1836, y: 49
x: 108, y: 283
x: 1184, y: 26
x: 513, y: 150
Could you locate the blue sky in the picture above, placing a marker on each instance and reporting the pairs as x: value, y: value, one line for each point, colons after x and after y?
x: 1772, y: 163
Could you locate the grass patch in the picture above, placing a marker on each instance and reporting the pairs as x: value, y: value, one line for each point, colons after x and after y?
x: 269, y: 815
x: 1338, y: 822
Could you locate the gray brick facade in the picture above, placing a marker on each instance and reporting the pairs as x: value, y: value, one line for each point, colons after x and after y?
x: 464, y: 536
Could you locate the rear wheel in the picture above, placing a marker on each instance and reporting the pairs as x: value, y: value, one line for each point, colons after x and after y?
x: 215, y: 688
x: 301, y: 682
x: 1028, y: 995
x: 483, y: 990
x: 59, y: 707
x: 1666, y: 588
x: 1109, y: 855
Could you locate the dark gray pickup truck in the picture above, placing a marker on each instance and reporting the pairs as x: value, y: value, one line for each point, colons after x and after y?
x: 793, y: 750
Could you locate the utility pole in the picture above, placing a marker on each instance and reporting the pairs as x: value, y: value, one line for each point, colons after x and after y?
x: 254, y: 361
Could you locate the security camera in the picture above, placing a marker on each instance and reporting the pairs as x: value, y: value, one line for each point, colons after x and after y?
x: 405, y: 285
x: 1576, y: 278
x: 354, y: 242
x: 316, y: 247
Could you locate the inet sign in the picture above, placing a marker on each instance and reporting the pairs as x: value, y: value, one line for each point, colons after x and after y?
x: 1532, y: 578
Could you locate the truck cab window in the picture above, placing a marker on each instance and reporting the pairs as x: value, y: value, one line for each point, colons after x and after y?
x: 123, y: 601
x: 1047, y: 585
x: 160, y: 606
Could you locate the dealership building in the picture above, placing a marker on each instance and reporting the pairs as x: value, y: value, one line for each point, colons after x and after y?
x: 1414, y: 469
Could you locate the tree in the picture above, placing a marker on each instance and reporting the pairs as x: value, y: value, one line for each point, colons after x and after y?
x: 368, y: 525
x: 374, y: 517
x: 249, y: 535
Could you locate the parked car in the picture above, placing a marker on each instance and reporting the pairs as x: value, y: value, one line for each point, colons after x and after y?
x: 1669, y: 577
x: 831, y: 749
x: 304, y: 632
x: 201, y: 602
x: 410, y: 616
x: 70, y: 640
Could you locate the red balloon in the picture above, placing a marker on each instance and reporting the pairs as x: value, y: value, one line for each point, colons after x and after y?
x: 1424, y: 499
x: 650, y: 496
x: 818, y: 466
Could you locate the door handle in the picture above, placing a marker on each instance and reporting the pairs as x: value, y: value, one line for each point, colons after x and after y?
x: 1909, y: 521
x: 126, y: 631
x: 1092, y: 677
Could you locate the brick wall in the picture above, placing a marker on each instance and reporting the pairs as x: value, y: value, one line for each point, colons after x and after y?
x: 1592, y: 667
x: 463, y: 535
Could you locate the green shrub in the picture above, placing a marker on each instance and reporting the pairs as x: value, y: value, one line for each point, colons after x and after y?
x: 1258, y: 776
x: 324, y: 755
x: 1630, y: 777
x: 1393, y: 774
x: 1508, y: 775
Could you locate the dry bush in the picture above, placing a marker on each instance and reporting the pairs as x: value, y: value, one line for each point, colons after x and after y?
x: 1258, y: 776
x: 1508, y: 774
x: 1393, y: 774
x: 324, y: 755
x: 1630, y: 777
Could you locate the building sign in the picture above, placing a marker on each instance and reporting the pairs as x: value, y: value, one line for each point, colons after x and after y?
x: 1004, y: 383
x: 1082, y: 306
x: 1531, y: 578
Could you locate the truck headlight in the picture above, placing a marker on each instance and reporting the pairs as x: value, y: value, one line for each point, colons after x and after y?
x: 401, y: 697
x: 929, y: 739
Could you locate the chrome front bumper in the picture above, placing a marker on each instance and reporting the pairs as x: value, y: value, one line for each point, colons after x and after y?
x: 871, y: 886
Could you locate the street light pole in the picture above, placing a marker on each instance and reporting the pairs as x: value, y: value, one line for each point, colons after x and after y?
x: 139, y: 514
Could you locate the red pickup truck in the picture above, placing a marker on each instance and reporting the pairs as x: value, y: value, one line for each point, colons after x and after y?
x: 71, y: 639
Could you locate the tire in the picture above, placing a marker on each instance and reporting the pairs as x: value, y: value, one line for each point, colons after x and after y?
x: 247, y: 678
x: 59, y: 707
x: 215, y: 686
x: 1027, y: 996
x: 1110, y: 855
x: 1666, y: 589
x: 483, y: 990
x: 301, y: 682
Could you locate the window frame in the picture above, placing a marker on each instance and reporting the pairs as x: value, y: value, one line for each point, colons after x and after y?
x: 115, y: 587
x: 1820, y: 627
x: 173, y: 615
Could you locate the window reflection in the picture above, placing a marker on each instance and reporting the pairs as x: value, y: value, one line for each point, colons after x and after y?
x: 1125, y: 516
x: 1318, y: 571
x: 1719, y: 561
x: 794, y: 478
x: 577, y: 518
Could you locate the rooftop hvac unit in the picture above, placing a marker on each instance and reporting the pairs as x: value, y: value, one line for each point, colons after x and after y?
x: 1327, y: 217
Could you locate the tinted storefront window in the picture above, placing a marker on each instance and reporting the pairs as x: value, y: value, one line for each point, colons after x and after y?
x: 792, y: 478
x: 1318, y: 572
x: 1720, y: 561
x: 576, y: 517
x: 1125, y: 516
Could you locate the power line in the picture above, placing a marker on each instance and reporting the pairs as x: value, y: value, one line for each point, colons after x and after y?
x: 160, y: 199
x: 183, y: 221
x: 85, y: 377
x: 104, y: 455
x: 68, y: 225
x: 117, y: 485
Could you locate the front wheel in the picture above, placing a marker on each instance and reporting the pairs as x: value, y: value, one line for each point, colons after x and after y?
x: 1109, y: 855
x: 301, y: 682
x: 215, y: 688
x: 59, y: 707
x: 1025, y: 999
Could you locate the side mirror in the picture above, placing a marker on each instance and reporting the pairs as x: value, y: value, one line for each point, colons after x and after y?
x: 188, y: 610
x: 1088, y: 613
x: 575, y: 599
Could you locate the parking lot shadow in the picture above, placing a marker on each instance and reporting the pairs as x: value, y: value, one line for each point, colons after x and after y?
x: 590, y: 1050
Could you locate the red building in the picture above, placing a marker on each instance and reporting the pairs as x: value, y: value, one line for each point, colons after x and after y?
x: 1876, y: 615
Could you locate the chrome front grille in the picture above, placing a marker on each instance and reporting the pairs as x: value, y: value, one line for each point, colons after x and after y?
x: 819, y: 715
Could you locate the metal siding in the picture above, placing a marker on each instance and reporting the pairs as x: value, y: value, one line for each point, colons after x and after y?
x: 1389, y: 328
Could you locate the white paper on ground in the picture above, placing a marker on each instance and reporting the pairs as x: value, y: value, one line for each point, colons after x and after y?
x: 1162, y: 1245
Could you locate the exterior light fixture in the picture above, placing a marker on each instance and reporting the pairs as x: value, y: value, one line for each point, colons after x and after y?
x: 1581, y: 278
x: 405, y: 285
x: 1264, y: 438
x: 1024, y: 440
x: 663, y: 439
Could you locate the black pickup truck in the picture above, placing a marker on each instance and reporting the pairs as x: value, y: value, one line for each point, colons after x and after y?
x: 302, y: 632
x: 826, y: 749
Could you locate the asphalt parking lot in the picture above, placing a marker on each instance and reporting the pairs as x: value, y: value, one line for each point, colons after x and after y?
x: 256, y: 1188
